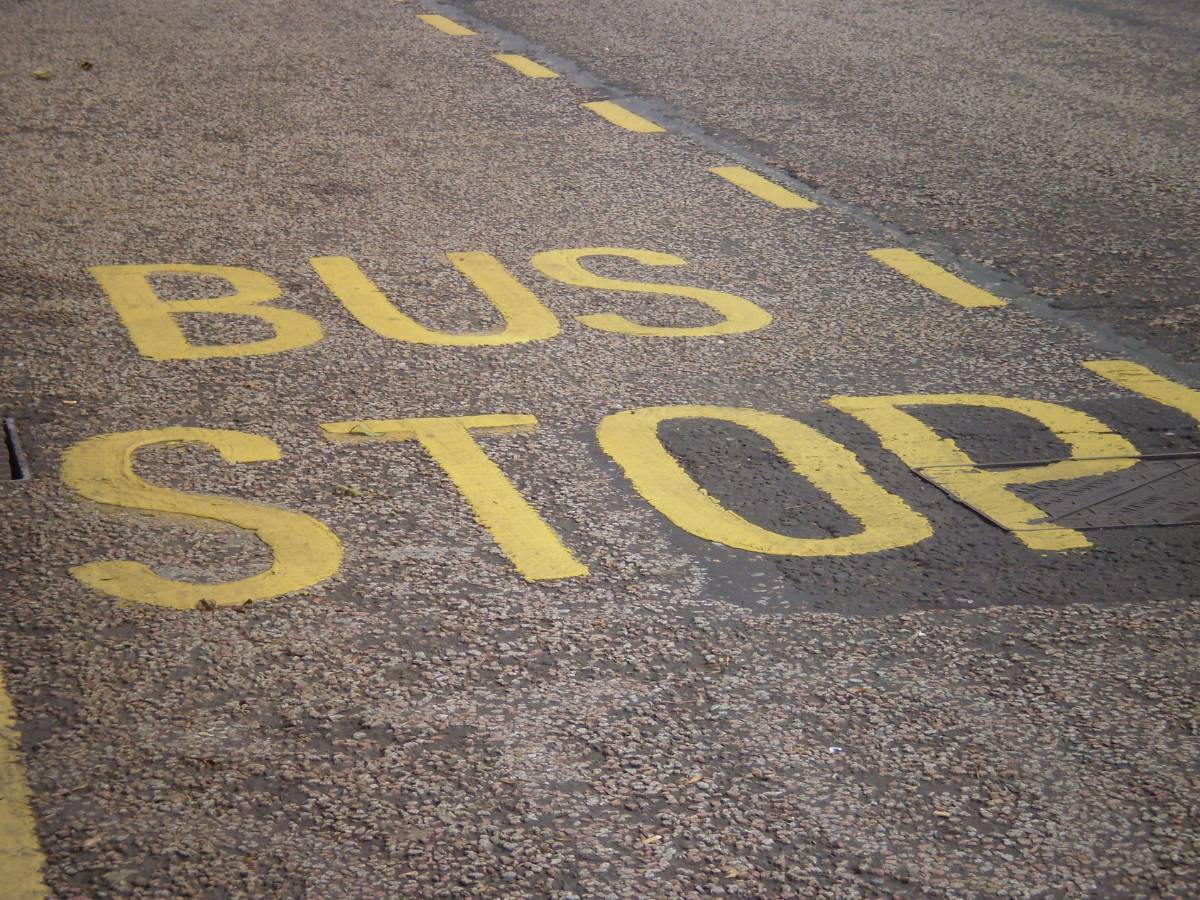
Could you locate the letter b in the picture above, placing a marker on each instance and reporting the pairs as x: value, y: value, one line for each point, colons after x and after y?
x: 152, y: 324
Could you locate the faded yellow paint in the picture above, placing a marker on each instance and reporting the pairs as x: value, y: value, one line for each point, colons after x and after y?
x: 753, y: 183
x: 738, y: 315
x: 446, y: 26
x: 525, y: 65
x: 920, y: 447
x: 517, y: 528
x: 101, y: 469
x: 21, y: 858
x: 936, y: 278
x: 151, y: 323
x: 1141, y: 380
x: 525, y: 318
x: 631, y: 439
x: 623, y: 118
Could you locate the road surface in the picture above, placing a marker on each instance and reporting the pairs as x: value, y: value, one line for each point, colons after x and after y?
x: 541, y: 450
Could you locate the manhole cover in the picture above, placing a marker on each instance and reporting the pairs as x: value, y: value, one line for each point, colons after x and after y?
x: 1161, y: 489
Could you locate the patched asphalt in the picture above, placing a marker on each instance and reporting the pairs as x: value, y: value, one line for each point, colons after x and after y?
x: 959, y: 717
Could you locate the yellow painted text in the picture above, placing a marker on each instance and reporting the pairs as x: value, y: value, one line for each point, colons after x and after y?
x: 152, y: 325
x: 517, y: 528
x: 940, y: 460
x: 738, y: 315
x: 631, y: 439
x: 525, y: 318
x: 101, y: 469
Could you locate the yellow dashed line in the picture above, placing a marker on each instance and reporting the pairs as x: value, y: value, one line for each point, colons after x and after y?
x: 20, y: 857
x: 622, y: 117
x: 1141, y: 380
x: 936, y: 278
x: 446, y: 26
x: 907, y: 263
x: 525, y: 65
x: 762, y: 189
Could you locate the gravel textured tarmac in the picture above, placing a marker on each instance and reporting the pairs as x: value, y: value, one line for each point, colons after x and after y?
x: 959, y: 717
x: 1056, y: 140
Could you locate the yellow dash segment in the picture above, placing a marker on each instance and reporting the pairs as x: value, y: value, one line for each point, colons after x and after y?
x: 446, y: 26
x: 21, y: 858
x: 1141, y: 380
x: 936, y: 278
x: 755, y: 184
x: 525, y: 65
x: 623, y: 118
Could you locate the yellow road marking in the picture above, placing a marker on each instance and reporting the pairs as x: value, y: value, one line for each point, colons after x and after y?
x: 940, y: 460
x: 304, y: 551
x: 631, y: 439
x: 151, y: 322
x: 446, y: 26
x: 936, y: 278
x: 518, y: 529
x: 622, y: 117
x: 738, y: 314
x: 21, y: 858
x: 762, y: 189
x: 525, y: 318
x: 1141, y: 380
x: 525, y: 65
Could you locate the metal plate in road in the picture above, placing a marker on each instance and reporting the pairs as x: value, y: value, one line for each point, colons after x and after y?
x: 1160, y: 489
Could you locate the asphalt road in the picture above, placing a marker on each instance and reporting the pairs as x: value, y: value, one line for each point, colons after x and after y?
x: 444, y: 486
x: 1056, y: 140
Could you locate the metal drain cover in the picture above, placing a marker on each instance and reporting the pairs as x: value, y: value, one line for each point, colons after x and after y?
x: 16, y: 468
x: 1161, y: 489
